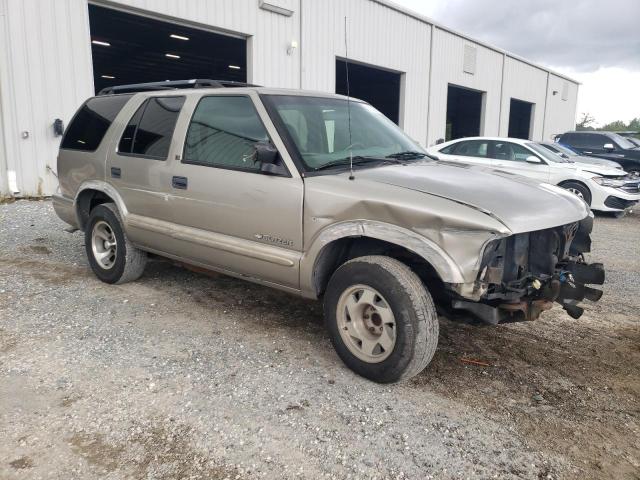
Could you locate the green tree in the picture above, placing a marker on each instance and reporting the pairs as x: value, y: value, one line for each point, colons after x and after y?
x: 617, y: 126
x: 635, y: 124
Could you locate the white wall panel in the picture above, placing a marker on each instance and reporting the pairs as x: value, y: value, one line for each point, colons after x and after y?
x: 524, y: 82
x: 379, y: 36
x: 45, y: 74
x: 448, y: 68
x: 560, y: 114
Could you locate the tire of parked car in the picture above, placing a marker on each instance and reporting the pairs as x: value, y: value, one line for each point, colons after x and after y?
x: 578, y: 189
x: 381, y: 319
x: 111, y: 255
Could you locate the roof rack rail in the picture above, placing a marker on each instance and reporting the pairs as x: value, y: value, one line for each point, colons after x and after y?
x: 173, y: 85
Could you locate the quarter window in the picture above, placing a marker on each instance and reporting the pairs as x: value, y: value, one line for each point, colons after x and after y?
x: 150, y: 130
x: 223, y: 133
x: 90, y: 124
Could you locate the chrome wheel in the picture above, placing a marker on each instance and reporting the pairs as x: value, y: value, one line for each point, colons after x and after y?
x: 104, y: 245
x: 576, y: 192
x: 366, y: 323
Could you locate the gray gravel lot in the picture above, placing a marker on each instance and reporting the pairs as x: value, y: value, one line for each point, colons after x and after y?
x: 187, y: 376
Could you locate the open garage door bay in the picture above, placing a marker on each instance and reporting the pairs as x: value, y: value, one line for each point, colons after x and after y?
x: 130, y: 48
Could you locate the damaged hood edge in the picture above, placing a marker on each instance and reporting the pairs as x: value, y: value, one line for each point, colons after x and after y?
x: 518, y: 203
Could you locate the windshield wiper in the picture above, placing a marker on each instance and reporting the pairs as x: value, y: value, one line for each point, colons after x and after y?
x: 408, y: 155
x: 357, y: 160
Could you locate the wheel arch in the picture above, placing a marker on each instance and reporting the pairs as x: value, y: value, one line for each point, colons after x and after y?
x: 95, y: 193
x: 564, y: 183
x: 347, y: 240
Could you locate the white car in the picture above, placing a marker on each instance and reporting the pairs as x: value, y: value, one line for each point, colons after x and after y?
x: 603, y: 188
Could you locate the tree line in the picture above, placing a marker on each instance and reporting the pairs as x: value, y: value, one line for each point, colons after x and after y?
x: 587, y: 121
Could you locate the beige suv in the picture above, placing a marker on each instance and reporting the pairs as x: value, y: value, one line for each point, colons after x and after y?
x: 323, y: 197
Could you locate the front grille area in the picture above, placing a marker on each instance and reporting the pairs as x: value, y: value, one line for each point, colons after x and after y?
x: 619, y: 203
x: 631, y: 187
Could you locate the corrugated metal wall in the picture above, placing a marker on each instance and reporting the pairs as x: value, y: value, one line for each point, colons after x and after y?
x: 447, y: 65
x: 560, y: 111
x: 527, y: 83
x: 45, y: 73
x: 378, y: 36
x: 46, y: 67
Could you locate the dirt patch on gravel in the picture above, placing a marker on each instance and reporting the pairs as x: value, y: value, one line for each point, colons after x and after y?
x: 43, y: 270
x: 150, y: 452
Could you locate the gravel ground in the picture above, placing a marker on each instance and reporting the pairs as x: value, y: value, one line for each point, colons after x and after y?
x: 187, y: 376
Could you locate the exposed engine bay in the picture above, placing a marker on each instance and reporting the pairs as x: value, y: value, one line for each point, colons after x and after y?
x: 524, y: 274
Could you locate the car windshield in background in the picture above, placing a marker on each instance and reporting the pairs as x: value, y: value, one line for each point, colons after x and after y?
x: 319, y: 127
x: 547, y: 154
x: 566, y: 150
x: 623, y: 142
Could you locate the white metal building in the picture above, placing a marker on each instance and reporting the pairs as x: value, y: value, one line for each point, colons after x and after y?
x: 435, y: 82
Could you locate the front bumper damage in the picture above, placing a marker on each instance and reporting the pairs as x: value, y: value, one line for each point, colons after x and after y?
x: 525, y: 274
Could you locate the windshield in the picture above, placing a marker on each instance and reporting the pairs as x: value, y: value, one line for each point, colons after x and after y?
x: 547, y: 154
x: 319, y: 127
x: 566, y: 150
x: 621, y: 141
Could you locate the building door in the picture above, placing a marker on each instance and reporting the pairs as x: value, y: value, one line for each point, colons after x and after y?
x: 381, y: 88
x: 464, y: 112
x: 128, y: 48
x: 520, y: 116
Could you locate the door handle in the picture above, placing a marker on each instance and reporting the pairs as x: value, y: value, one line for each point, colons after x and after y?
x: 116, y: 172
x: 588, y: 152
x: 179, y: 182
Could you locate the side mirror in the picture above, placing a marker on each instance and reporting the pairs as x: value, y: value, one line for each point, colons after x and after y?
x: 609, y: 146
x: 532, y: 159
x: 266, y: 154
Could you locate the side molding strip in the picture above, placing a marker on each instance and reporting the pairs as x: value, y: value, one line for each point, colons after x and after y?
x: 218, y: 241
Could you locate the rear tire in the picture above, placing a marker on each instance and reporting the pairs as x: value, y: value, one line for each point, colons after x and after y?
x: 579, y: 190
x: 381, y: 319
x: 112, y: 257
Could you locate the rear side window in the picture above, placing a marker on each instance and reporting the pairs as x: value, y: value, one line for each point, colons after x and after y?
x: 471, y: 148
x: 584, y: 140
x: 90, y: 124
x: 149, y: 132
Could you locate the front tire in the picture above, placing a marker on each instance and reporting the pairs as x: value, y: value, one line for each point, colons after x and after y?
x: 381, y: 319
x: 111, y: 255
x: 579, y: 190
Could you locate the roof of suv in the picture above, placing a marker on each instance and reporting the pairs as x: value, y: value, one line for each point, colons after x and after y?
x: 235, y: 90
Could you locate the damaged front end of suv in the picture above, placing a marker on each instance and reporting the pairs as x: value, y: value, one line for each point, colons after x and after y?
x: 522, y: 275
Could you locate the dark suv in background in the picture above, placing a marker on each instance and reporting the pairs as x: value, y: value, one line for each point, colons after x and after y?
x: 607, y: 145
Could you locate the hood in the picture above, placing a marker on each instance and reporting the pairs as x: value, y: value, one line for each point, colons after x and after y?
x: 521, y: 204
x: 598, y: 169
x: 596, y: 161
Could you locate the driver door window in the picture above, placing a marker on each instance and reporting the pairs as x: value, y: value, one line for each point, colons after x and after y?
x: 223, y: 133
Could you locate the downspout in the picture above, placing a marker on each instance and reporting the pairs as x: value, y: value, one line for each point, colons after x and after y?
x: 433, y: 27
x: 504, y: 61
x: 4, y: 168
x: 544, y: 114
x: 300, y: 44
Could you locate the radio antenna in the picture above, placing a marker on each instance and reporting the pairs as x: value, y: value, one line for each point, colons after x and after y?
x: 346, y: 65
